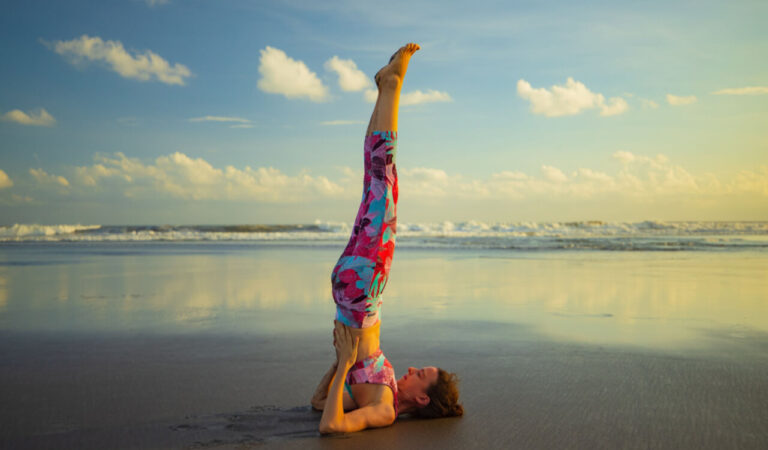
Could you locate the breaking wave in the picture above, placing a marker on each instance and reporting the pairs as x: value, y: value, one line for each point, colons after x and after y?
x: 527, y: 236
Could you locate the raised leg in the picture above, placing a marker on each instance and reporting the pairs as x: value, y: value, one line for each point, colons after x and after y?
x: 389, y: 81
x: 362, y: 271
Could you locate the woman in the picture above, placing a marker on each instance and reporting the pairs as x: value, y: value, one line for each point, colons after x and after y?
x: 360, y: 391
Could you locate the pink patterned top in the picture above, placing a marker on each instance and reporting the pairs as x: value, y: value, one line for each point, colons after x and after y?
x: 375, y: 369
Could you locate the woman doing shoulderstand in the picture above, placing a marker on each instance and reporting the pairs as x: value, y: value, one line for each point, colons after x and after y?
x: 360, y: 390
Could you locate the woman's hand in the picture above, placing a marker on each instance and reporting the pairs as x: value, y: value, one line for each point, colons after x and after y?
x: 345, y: 344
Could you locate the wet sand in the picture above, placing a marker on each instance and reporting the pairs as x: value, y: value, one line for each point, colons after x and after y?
x: 519, y: 391
x: 137, y: 358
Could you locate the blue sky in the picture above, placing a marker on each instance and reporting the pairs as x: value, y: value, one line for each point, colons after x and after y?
x: 160, y: 112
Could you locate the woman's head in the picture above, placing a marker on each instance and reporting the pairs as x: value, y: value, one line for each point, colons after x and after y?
x: 432, y: 392
x: 443, y: 397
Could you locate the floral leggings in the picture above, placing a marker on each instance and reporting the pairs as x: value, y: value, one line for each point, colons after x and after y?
x: 361, y: 273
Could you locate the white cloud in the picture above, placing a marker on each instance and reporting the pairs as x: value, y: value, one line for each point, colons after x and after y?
x: 646, y: 103
x: 5, y: 180
x: 627, y: 158
x: 417, y: 97
x: 510, y: 175
x: 426, y: 182
x: 640, y: 178
x: 219, y: 119
x: 643, y: 175
x: 553, y: 174
x: 589, y: 174
x: 351, y: 79
x: 370, y: 95
x: 90, y: 175
x: 343, y: 122
x: 41, y: 118
x: 239, y: 122
x: 674, y: 100
x: 412, y: 98
x: 635, y: 182
x: 350, y: 180
x: 45, y: 178
x: 153, y: 3
x: 281, y: 74
x: 614, y: 106
x: 750, y: 181
x: 140, y: 66
x: 624, y: 157
x: 181, y: 176
x: 749, y: 90
x: 569, y: 99
x: 425, y: 174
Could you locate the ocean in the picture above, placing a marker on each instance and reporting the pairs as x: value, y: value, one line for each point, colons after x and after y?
x: 518, y: 236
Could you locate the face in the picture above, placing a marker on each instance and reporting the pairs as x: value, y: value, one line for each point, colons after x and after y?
x: 417, y: 381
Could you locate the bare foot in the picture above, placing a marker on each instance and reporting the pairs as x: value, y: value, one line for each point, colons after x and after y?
x: 393, y: 73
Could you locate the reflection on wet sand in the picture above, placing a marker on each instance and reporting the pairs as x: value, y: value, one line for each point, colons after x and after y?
x: 656, y: 299
x: 639, y: 298
x: 108, y: 292
x: 3, y: 292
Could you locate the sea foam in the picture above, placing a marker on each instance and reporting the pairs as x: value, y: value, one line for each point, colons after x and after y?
x: 530, y: 236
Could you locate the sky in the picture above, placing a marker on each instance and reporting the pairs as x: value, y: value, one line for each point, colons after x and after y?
x: 236, y: 111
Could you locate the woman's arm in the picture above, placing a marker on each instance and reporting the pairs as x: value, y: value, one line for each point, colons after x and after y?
x: 334, y: 420
x: 321, y: 393
x: 333, y: 412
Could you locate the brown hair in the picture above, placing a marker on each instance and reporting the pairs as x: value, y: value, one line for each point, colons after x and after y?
x: 443, y: 397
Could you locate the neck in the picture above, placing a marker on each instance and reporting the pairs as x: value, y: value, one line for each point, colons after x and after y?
x: 404, y: 403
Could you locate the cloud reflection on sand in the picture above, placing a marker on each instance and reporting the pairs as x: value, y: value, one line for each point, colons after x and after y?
x: 641, y: 298
x: 651, y: 299
x: 109, y: 291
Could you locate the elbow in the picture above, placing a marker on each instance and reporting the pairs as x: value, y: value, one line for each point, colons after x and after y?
x: 326, y: 428
x: 331, y: 426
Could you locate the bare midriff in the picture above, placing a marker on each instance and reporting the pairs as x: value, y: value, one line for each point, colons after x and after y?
x: 369, y: 340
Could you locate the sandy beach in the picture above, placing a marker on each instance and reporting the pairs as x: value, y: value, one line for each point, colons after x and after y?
x: 189, y: 346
